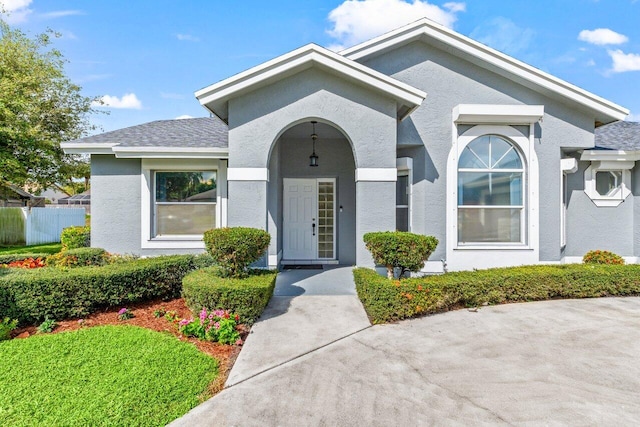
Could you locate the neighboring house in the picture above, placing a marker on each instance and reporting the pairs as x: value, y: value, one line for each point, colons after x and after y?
x: 420, y: 129
x: 12, y: 196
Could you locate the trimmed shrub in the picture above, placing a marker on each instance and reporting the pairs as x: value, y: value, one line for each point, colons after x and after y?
x: 602, y: 257
x: 75, y: 237
x: 388, y: 300
x: 31, y: 296
x: 247, y: 297
x: 80, y: 257
x: 235, y: 248
x: 9, y: 258
x: 399, y: 249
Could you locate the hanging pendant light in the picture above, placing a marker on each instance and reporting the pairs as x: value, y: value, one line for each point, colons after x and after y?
x: 313, y: 158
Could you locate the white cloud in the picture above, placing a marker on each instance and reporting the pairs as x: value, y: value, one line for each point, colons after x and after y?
x: 504, y: 35
x: 15, y: 11
x: 187, y: 38
x: 355, y: 21
x: 602, y: 37
x: 184, y: 116
x: 60, y: 14
x: 128, y: 101
x: 455, y: 7
x: 623, y: 62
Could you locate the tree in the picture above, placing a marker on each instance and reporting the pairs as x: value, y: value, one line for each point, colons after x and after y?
x: 39, y: 108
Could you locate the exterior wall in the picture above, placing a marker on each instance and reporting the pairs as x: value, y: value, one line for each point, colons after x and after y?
x: 257, y: 119
x: 590, y: 227
x: 116, y: 208
x: 336, y: 161
x: 426, y: 135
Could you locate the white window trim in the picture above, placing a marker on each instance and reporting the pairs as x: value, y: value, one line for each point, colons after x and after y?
x: 466, y: 256
x: 618, y: 196
x: 404, y: 165
x: 567, y: 165
x: 147, y: 208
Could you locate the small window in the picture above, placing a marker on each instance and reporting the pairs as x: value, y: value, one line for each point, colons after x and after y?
x: 185, y: 202
x: 402, y: 202
x: 608, y: 182
x: 607, y: 187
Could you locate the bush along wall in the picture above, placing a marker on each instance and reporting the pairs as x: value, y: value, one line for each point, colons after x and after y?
x: 388, y: 300
x: 400, y: 250
x: 247, y: 296
x: 33, y: 295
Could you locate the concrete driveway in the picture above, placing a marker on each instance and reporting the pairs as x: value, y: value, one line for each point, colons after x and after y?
x: 571, y: 362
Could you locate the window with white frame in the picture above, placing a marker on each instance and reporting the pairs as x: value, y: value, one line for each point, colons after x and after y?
x: 607, y: 183
x: 491, y: 192
x: 184, y: 202
x: 402, y: 201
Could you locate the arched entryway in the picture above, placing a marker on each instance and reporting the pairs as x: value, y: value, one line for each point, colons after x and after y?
x: 312, y: 209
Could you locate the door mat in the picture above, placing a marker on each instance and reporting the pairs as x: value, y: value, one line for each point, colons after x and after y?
x: 303, y: 267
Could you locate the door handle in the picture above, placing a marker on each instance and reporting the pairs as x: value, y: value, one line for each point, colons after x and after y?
x: 313, y: 227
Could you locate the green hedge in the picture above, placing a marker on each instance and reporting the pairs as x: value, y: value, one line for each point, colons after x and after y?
x: 400, y: 250
x: 235, y: 248
x: 388, y: 300
x: 33, y: 295
x: 6, y: 259
x: 247, y: 297
x: 76, y: 237
x: 79, y: 257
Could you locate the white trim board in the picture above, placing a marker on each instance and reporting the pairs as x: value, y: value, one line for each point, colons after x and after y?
x: 248, y: 174
x: 377, y: 174
x: 491, y: 59
x: 476, y: 114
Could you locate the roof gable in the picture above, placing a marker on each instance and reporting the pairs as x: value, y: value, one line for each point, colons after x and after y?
x: 433, y: 33
x: 216, y: 97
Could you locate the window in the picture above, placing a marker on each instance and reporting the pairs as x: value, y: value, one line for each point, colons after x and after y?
x: 184, y: 202
x: 491, y: 192
x: 607, y: 186
x: 402, y: 201
x: 608, y: 182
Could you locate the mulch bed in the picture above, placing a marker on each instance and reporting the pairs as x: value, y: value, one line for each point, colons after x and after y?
x: 144, y: 317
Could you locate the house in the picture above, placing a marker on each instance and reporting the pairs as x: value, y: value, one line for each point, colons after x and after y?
x: 12, y: 196
x: 420, y: 129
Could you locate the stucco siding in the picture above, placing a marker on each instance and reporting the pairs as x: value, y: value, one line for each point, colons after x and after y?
x: 115, y: 204
x: 591, y: 227
x: 427, y: 134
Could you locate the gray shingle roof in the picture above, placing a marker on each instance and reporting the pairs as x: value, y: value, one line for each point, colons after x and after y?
x: 618, y: 136
x: 197, y: 132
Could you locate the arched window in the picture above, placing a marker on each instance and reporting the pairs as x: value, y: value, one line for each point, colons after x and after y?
x: 491, y: 192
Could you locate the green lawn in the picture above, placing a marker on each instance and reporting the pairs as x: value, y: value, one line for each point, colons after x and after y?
x: 49, y: 248
x: 101, y: 376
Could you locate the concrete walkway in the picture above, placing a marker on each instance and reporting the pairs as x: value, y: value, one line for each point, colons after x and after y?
x: 309, y: 309
x: 571, y: 362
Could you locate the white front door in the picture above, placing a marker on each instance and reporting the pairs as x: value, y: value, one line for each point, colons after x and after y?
x: 308, y: 219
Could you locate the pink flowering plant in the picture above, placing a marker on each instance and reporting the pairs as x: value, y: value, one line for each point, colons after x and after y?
x: 217, y: 325
x: 125, y: 314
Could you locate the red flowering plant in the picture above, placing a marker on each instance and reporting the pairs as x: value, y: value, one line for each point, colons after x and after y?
x: 602, y: 257
x: 217, y: 325
x: 26, y: 263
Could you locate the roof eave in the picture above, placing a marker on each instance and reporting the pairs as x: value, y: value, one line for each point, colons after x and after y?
x: 87, y: 147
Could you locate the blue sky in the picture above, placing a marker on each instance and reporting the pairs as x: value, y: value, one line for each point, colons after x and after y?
x: 148, y: 57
